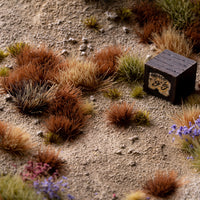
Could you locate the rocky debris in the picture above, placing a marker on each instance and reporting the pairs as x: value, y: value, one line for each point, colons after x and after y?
x: 90, y: 47
x: 125, y: 29
x: 92, y: 98
x: 2, y: 108
x: 8, y: 98
x: 83, y: 53
x: 111, y: 15
x: 83, y: 47
x: 40, y: 134
x: 85, y: 40
x: 64, y: 52
x: 134, y: 138
x: 118, y: 152
x: 101, y: 30
x: 72, y: 40
x: 9, y: 66
x: 148, y: 57
x: 123, y: 146
x: 132, y: 164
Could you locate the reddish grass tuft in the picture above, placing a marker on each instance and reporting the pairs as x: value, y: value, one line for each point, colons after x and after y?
x: 193, y: 32
x: 51, y: 157
x: 163, y: 184
x: 106, y: 60
x: 63, y: 127
x: 120, y: 114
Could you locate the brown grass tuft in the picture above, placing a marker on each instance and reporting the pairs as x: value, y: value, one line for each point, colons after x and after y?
x: 188, y: 114
x: 163, y: 184
x: 14, y: 140
x: 106, y: 60
x: 173, y: 40
x: 120, y: 114
x: 63, y: 127
x: 50, y: 156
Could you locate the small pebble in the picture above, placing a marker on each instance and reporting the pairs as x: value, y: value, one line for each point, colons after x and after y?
x: 8, y: 97
x: 40, y: 134
x: 83, y: 47
x: 111, y: 15
x: 85, y: 40
x: 9, y: 66
x: 64, y: 52
x: 119, y: 152
x: 132, y: 164
x: 123, y: 146
x: 92, y: 98
x: 134, y: 138
x: 90, y: 47
x: 101, y: 30
x: 87, y: 174
x: 2, y: 108
x: 148, y: 57
x: 37, y: 121
x: 83, y: 53
x: 125, y: 29
x: 72, y: 40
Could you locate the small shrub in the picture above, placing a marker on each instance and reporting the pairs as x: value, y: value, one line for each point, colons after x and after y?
x: 34, y: 170
x: 124, y: 13
x: 91, y: 22
x: 13, y: 187
x: 180, y: 11
x: 187, y: 115
x: 63, y: 127
x: 106, y: 60
x: 2, y: 55
x: 162, y: 185
x: 138, y: 92
x: 141, y: 118
x: 88, y: 108
x: 173, y: 40
x: 130, y: 68
x: 4, y: 71
x: 112, y: 93
x: 15, y: 49
x: 82, y: 74
x: 50, y: 189
x: 32, y: 98
x: 139, y: 195
x: 14, y: 140
x: 120, y: 114
x: 51, y: 157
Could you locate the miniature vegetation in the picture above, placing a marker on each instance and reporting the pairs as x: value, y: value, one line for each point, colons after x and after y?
x: 138, y: 92
x: 16, y: 49
x: 14, y: 140
x: 139, y: 195
x: 91, y: 22
x: 163, y: 184
x: 2, y: 55
x: 112, y: 93
x: 4, y: 71
x: 124, y: 13
x: 13, y: 187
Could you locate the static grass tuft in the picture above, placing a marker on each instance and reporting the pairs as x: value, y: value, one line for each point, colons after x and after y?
x: 4, y: 71
x: 15, y: 49
x: 120, y: 114
x: 130, y: 68
x: 113, y: 93
x: 139, y: 195
x: 163, y: 184
x: 88, y: 108
x: 193, y: 99
x: 91, y: 22
x: 124, y: 14
x: 14, y: 140
x: 13, y: 187
x: 138, y: 92
x: 141, y: 118
x: 2, y: 55
x: 173, y: 40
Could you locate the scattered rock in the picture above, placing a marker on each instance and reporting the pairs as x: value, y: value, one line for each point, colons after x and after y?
x: 101, y: 30
x: 2, y: 108
x: 85, y: 40
x: 37, y: 121
x: 64, y: 52
x: 132, y: 164
x: 111, y: 15
x: 40, y: 134
x: 130, y: 151
x: 119, y: 152
x: 9, y: 66
x: 83, y: 53
x: 87, y: 174
x: 8, y: 97
x: 83, y: 47
x: 134, y: 138
x: 90, y: 47
x: 72, y: 40
x: 125, y: 29
x: 92, y: 98
x: 123, y: 146
x: 148, y: 57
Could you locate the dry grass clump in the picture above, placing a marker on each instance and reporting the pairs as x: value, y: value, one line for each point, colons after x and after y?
x: 112, y: 93
x: 163, y: 184
x: 82, y: 74
x: 62, y: 128
x: 51, y: 157
x: 91, y: 22
x: 139, y: 195
x: 173, y: 40
x: 33, y: 98
x: 193, y: 99
x: 106, y: 60
x: 120, y: 114
x: 188, y: 114
x: 14, y: 140
x: 15, y: 49
x: 4, y: 71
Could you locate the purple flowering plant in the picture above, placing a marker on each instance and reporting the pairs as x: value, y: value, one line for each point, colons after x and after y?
x: 52, y: 190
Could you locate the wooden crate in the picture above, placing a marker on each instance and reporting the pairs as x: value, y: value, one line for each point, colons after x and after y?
x: 170, y: 76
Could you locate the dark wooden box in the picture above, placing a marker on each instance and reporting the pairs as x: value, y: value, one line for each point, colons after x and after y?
x: 170, y: 76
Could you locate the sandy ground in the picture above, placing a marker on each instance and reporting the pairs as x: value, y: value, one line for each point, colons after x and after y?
x: 104, y: 160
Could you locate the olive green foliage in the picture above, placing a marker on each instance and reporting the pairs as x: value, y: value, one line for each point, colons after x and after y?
x: 130, y: 68
x: 13, y: 188
x: 138, y: 92
x: 16, y: 49
x: 180, y: 11
x: 141, y: 118
x: 2, y: 55
x: 124, y: 13
x: 113, y: 93
x: 91, y: 22
x: 4, y: 71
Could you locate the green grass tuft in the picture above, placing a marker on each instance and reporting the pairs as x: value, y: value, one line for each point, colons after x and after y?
x: 130, y: 68
x: 112, y: 93
x: 138, y: 92
x: 2, y: 55
x: 91, y: 22
x: 4, y: 71
x: 16, y: 49
x: 13, y: 187
x: 141, y: 118
x: 124, y: 13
